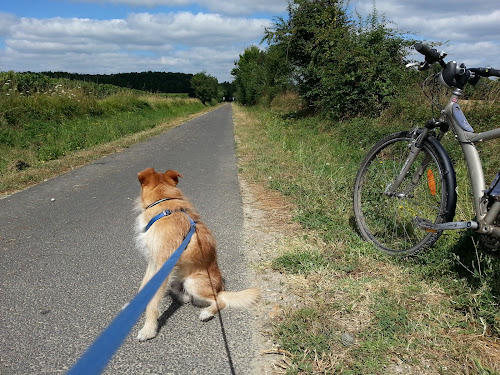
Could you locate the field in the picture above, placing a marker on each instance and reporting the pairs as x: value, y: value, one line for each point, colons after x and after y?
x: 48, y: 125
x: 437, y: 313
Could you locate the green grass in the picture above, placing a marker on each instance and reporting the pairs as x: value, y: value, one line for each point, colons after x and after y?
x: 436, y: 313
x: 49, y: 137
x: 43, y: 120
x: 300, y: 262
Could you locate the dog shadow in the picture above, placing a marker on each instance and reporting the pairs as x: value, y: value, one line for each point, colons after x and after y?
x: 174, y: 306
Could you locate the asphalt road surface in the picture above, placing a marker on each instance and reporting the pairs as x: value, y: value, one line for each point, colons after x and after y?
x: 69, y: 262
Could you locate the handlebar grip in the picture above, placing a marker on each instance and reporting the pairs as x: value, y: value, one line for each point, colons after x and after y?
x: 486, y: 72
x: 431, y: 54
x: 422, y: 48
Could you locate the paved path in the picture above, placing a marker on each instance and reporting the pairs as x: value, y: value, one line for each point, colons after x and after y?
x: 69, y: 265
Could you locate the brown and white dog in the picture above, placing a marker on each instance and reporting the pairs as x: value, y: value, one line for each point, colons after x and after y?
x: 196, y: 276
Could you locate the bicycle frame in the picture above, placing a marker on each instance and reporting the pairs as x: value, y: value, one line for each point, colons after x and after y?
x: 453, y: 115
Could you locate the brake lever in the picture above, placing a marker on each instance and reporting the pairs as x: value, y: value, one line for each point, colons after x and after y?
x: 412, y: 65
x: 424, y: 66
x: 420, y: 66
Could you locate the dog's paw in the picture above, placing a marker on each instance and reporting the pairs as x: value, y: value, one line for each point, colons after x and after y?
x: 205, y: 315
x: 146, y: 333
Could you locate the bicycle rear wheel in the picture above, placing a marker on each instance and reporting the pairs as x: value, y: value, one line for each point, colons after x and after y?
x: 388, y: 220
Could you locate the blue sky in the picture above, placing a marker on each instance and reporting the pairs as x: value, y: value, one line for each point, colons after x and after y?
x: 97, y: 9
x: 190, y: 36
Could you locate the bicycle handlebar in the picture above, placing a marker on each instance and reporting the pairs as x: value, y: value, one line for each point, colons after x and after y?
x: 432, y: 55
x: 486, y: 72
x: 453, y: 75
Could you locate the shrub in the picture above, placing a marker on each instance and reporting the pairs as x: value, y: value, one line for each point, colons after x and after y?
x: 343, y: 67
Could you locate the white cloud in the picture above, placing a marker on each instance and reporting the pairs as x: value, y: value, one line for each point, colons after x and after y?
x: 470, y: 31
x: 6, y: 22
x: 182, y: 41
x: 196, y: 29
x: 232, y: 8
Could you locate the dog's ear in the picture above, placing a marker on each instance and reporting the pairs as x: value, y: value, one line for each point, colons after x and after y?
x: 173, y: 175
x: 145, y: 175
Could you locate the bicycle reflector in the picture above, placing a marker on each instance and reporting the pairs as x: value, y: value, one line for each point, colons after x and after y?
x: 431, y: 182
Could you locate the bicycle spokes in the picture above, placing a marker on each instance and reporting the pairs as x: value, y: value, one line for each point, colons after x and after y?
x: 385, y: 214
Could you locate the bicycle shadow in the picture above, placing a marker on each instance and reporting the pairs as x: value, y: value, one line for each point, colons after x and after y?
x: 479, y: 268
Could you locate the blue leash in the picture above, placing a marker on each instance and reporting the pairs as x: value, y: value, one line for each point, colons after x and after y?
x: 97, y: 356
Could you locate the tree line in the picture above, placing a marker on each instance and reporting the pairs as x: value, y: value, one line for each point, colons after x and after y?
x: 201, y: 85
x: 162, y: 82
x: 340, y: 64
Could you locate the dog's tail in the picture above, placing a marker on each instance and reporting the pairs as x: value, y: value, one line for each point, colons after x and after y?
x: 242, y: 299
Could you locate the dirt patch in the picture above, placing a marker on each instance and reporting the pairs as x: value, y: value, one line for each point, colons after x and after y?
x: 267, y: 224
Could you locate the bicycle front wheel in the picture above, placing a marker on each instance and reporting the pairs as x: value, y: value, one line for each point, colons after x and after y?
x: 388, y: 220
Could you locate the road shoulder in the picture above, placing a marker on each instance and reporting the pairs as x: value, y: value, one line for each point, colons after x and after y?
x: 265, y: 227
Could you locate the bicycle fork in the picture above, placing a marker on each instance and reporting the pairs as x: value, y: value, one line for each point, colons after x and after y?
x: 415, y: 148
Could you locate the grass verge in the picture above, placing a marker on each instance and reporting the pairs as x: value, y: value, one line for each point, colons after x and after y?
x: 48, y: 126
x: 435, y: 314
x: 41, y: 150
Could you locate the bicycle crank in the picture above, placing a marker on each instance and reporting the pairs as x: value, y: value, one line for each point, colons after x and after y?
x: 429, y: 226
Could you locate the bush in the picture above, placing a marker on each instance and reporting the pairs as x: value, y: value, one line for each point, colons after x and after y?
x: 205, y: 87
x: 342, y: 67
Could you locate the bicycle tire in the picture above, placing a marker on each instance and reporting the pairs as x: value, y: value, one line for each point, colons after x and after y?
x: 389, y: 221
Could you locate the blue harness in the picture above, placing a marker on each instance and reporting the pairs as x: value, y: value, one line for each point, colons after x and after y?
x: 167, y: 213
x: 164, y: 214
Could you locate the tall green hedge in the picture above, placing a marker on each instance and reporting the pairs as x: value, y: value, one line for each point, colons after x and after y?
x: 341, y: 65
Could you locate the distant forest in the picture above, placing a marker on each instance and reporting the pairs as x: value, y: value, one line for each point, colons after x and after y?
x: 163, y: 82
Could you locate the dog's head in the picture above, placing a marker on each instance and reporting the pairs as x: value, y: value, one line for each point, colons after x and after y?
x: 157, y: 185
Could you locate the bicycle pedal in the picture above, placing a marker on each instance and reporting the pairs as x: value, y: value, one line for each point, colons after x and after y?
x: 425, y: 224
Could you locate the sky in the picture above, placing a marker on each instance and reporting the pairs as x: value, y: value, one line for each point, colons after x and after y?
x: 192, y: 36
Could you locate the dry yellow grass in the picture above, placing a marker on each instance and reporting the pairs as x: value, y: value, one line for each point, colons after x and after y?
x: 351, y: 295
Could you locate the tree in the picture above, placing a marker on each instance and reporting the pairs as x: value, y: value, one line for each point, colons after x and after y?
x: 147, y: 81
x: 227, y: 89
x: 260, y: 75
x: 206, y: 87
x: 248, y: 75
x: 341, y: 67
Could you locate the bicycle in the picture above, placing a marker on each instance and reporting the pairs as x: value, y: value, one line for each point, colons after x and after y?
x: 405, y: 189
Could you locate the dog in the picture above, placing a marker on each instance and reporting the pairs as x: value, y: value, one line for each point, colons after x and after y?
x: 196, y: 278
